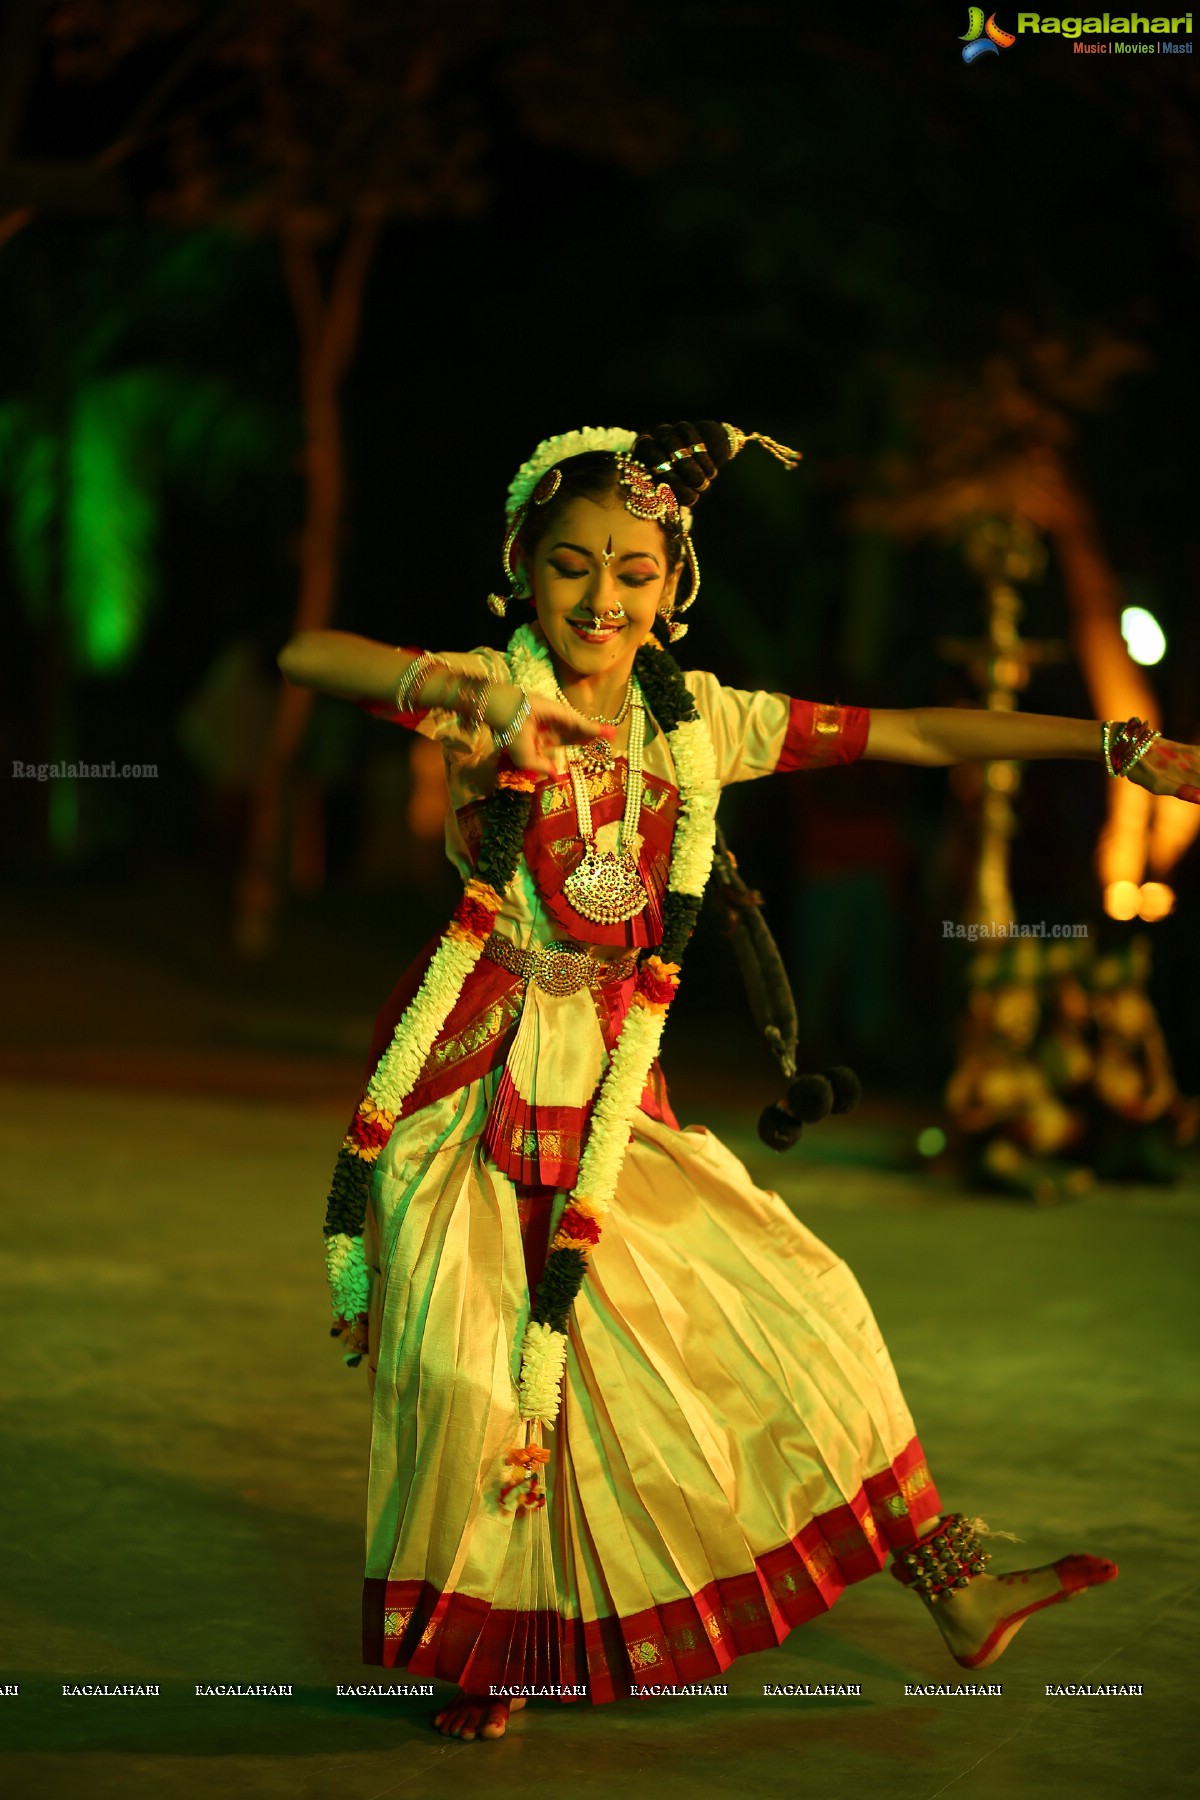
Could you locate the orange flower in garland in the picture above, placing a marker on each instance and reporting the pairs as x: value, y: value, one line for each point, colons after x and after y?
x: 576, y: 1230
x: 473, y: 916
x: 519, y: 781
x: 525, y: 1462
x: 656, y: 983
x: 368, y: 1134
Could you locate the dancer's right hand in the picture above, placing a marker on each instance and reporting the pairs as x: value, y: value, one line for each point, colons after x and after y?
x: 551, y: 724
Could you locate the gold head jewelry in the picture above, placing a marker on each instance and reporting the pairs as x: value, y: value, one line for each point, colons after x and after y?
x: 642, y: 496
x: 545, y: 491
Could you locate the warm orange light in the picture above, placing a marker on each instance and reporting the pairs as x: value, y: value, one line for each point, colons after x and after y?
x: 427, y: 797
x: 1155, y: 901
x: 1121, y: 899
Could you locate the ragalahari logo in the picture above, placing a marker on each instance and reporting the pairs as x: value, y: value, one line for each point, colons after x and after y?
x: 983, y: 39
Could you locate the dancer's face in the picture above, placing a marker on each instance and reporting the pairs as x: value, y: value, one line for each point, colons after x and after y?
x: 598, y: 577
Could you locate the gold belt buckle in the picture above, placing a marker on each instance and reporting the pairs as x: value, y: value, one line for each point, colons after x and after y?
x: 562, y: 972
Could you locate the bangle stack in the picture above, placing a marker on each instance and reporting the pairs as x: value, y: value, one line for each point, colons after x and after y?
x: 470, y: 702
x: 504, y: 738
x: 413, y: 680
x: 1126, y: 744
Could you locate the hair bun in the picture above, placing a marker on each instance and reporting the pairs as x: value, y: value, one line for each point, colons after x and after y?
x: 686, y: 476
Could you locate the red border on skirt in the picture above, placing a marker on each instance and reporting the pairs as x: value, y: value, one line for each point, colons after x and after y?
x: 453, y: 1637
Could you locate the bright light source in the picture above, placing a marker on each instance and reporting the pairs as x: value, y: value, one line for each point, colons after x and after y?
x: 1143, y: 635
x: 1155, y: 901
x: 932, y: 1141
x: 1121, y: 899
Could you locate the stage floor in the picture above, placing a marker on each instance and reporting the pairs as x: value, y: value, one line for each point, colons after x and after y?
x: 186, y: 1459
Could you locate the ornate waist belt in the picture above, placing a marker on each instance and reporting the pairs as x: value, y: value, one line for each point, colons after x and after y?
x: 561, y: 968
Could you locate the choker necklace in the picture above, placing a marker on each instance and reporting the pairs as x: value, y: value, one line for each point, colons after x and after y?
x: 606, y: 886
x: 598, y: 754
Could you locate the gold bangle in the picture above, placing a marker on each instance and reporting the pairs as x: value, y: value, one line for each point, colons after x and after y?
x: 413, y: 680
x: 1141, y: 750
x: 471, y: 701
x: 1106, y: 746
x: 504, y: 737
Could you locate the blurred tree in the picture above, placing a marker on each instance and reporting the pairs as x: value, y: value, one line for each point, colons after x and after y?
x: 1000, y: 445
x: 316, y: 121
x: 91, y: 434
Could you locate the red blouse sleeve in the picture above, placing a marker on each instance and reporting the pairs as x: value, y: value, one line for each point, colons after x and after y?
x: 819, y: 735
x: 759, y: 733
x: 383, y: 709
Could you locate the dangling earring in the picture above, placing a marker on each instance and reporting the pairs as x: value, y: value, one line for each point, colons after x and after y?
x: 677, y: 629
x: 518, y: 588
x: 498, y: 603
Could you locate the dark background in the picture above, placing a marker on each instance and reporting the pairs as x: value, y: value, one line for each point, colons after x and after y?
x: 804, y: 220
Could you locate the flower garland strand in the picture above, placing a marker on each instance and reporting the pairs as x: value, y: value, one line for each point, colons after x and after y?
x: 399, y: 1069
x: 544, y: 1345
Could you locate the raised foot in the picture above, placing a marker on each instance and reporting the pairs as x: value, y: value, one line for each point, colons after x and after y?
x: 981, y: 1621
x: 476, y: 1715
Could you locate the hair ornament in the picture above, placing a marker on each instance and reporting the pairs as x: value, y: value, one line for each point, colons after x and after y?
x: 557, y: 449
x: 644, y: 498
x: 739, y: 439
x: 539, y: 478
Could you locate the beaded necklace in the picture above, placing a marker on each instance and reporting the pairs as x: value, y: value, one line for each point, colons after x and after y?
x: 606, y: 886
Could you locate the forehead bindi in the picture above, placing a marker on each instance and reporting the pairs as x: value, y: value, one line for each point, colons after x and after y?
x: 593, y: 530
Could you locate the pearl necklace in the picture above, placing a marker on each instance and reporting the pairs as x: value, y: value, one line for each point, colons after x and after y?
x: 600, y: 751
x: 606, y: 886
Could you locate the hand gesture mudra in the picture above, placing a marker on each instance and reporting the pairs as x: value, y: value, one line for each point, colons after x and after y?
x: 1170, y: 768
x: 549, y: 724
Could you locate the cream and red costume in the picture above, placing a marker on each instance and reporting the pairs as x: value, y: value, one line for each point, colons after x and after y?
x: 733, y: 1448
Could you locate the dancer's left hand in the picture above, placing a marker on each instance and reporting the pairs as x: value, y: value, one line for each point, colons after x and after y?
x: 1170, y: 768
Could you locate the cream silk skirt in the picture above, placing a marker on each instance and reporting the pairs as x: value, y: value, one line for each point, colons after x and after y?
x: 732, y: 1450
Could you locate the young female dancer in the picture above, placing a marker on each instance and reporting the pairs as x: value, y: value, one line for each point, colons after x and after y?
x: 631, y: 1419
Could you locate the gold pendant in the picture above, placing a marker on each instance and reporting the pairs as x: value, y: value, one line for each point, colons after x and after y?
x: 606, y: 887
x: 595, y: 757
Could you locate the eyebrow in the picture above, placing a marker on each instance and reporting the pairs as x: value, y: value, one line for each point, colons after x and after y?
x: 629, y: 555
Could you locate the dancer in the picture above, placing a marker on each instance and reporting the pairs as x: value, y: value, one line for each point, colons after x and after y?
x: 630, y: 1418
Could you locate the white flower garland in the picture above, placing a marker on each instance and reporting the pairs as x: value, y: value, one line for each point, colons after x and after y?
x: 543, y: 1356
x: 554, y: 450
x: 616, y: 1103
x: 399, y: 1069
x: 557, y: 449
x: 346, y: 1273
x: 394, y: 1079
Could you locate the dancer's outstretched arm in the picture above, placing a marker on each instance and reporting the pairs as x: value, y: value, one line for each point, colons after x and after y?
x: 351, y: 668
x: 939, y: 735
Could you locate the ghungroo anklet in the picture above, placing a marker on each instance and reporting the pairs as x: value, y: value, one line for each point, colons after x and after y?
x: 945, y: 1559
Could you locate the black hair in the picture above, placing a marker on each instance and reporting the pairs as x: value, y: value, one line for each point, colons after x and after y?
x: 593, y: 476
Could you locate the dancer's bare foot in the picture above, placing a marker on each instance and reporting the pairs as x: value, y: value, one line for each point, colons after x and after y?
x: 476, y: 1715
x: 979, y: 1621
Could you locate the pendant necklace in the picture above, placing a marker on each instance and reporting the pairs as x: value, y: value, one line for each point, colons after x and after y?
x: 598, y: 754
x: 606, y: 886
